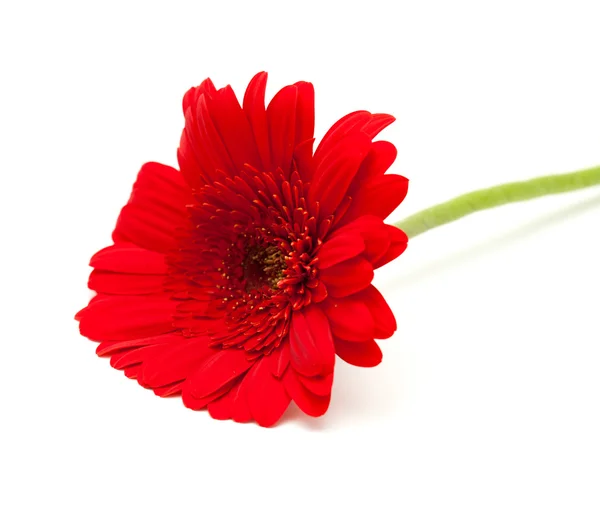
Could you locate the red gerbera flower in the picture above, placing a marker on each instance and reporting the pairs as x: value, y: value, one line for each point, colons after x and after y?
x: 237, y: 280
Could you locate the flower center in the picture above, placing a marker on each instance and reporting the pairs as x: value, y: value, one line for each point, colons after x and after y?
x: 263, y: 265
x: 248, y: 261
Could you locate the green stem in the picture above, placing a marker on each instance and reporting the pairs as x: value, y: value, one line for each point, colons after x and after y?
x: 496, y: 196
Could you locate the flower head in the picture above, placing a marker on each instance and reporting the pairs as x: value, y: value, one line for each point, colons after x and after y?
x: 236, y: 280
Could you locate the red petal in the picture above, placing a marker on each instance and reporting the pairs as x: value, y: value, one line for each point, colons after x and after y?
x: 108, y: 347
x: 373, y: 232
x: 385, y: 322
x: 305, y: 112
x: 230, y: 405
x: 352, y: 122
x: 380, y: 158
x: 189, y: 401
x: 377, y: 243
x: 347, y: 277
x: 350, y: 319
x: 222, y: 408
x: 377, y: 123
x: 309, y: 403
x: 319, y: 292
x: 399, y: 243
x: 281, y: 360
x: 129, y: 258
x: 311, y: 345
x: 379, y: 198
x: 176, y: 363
x: 137, y: 356
x: 267, y: 397
x: 193, y: 158
x: 363, y: 354
x: 132, y: 371
x: 210, y: 140
x: 190, y: 99
x: 168, y: 390
x: 336, y: 171
x: 254, y: 107
x: 201, y: 152
x: 233, y: 127
x: 145, y: 225
x: 281, y: 118
x: 362, y: 316
x: 339, y: 248
x: 359, y: 121
x: 303, y: 158
x: 241, y: 410
x: 155, y: 210
x: 125, y: 284
x: 218, y: 370
x: 318, y: 385
x: 126, y: 317
x: 189, y: 157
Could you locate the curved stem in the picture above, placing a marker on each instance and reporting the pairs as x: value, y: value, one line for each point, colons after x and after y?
x: 496, y: 196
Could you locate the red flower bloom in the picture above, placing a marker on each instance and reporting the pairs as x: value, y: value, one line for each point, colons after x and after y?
x: 236, y: 280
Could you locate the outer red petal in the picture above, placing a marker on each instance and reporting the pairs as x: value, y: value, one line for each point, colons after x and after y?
x: 222, y: 408
x: 371, y: 231
x: 350, y: 318
x: 318, y: 385
x: 347, y: 277
x: 281, y: 119
x: 311, y: 344
x: 176, y: 363
x: 378, y: 198
x: 137, y: 356
x: 156, y: 209
x: 168, y: 390
x: 215, y: 156
x: 125, y: 284
x: 233, y: 404
x: 334, y: 174
x: 380, y: 158
x: 363, y: 354
x: 190, y: 99
x: 385, y: 322
x: 398, y: 244
x: 339, y: 248
x: 189, y: 157
x: 241, y: 410
x: 189, y: 401
x: 359, y: 121
x: 233, y: 128
x: 126, y: 317
x: 267, y: 397
x: 360, y: 317
x: 303, y: 159
x: 305, y: 113
x: 281, y: 359
x: 377, y: 123
x: 352, y: 122
x: 308, y: 402
x: 254, y: 107
x: 202, y: 153
x: 132, y: 371
x: 110, y: 347
x: 218, y: 370
x: 130, y: 259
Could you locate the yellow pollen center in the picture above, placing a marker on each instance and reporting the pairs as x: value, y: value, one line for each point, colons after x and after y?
x: 263, y: 265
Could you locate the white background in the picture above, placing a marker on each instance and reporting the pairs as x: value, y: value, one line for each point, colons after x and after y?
x: 489, y: 392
